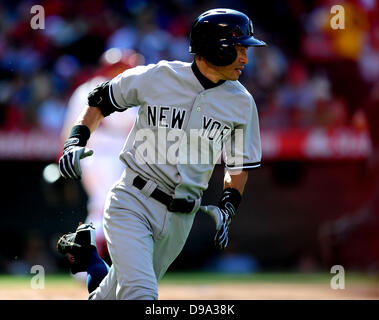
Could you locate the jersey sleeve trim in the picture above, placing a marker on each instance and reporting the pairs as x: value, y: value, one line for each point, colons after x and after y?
x: 113, y: 100
x: 252, y: 165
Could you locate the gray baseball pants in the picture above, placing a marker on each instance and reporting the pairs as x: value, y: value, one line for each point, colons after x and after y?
x: 143, y: 239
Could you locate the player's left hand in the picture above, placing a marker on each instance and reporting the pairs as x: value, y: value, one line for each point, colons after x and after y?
x: 222, y: 217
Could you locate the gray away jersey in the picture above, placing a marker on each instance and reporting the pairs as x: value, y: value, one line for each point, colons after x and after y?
x: 182, y: 129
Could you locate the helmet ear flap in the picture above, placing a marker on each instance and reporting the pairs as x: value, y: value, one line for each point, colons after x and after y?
x: 220, y: 56
x: 227, y: 56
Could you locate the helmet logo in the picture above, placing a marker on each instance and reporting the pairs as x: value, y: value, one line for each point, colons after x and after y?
x: 237, y: 31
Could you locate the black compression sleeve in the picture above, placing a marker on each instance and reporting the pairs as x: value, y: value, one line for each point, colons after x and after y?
x: 79, y: 136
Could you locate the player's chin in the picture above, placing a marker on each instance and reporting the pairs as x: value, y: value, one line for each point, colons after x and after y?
x: 236, y: 74
x: 234, y: 77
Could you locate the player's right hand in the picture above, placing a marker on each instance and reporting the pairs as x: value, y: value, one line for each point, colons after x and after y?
x: 222, y: 235
x: 222, y: 218
x: 69, y: 162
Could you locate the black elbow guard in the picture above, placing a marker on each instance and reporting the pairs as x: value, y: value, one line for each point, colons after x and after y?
x: 101, y: 97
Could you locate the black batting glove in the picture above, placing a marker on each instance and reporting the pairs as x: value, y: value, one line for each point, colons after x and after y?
x: 74, y: 150
x: 221, y: 238
x: 223, y: 215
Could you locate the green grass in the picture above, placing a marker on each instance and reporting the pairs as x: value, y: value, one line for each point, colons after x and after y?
x: 210, y: 278
x: 54, y: 279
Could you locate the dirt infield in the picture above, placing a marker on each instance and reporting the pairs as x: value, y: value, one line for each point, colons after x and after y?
x: 264, y: 292
x: 228, y: 291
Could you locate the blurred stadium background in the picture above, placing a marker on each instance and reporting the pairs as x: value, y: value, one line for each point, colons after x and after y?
x: 312, y: 205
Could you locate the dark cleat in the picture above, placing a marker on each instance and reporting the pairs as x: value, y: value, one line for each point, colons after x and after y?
x: 77, y: 246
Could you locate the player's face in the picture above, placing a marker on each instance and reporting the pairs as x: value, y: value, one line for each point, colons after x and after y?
x: 234, y: 70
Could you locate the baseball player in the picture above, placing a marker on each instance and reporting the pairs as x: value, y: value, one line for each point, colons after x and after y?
x: 189, y: 114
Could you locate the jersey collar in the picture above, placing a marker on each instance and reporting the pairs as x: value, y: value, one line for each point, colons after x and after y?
x: 205, y: 82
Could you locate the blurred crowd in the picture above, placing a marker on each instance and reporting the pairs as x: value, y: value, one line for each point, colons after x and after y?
x: 309, y: 75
